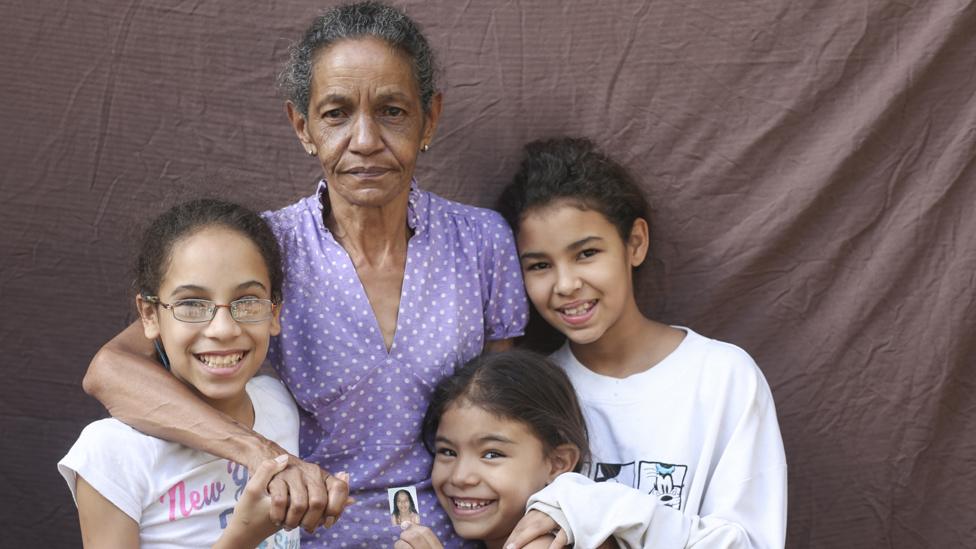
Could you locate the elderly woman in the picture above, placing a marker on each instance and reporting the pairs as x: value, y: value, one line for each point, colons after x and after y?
x: 388, y: 288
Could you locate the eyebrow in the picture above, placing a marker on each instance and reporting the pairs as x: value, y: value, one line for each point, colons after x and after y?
x: 195, y: 288
x: 495, y: 438
x: 332, y: 98
x: 395, y: 95
x: 343, y: 99
x: 491, y: 437
x: 573, y: 246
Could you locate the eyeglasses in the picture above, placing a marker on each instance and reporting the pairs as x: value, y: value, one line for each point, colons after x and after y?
x: 247, y: 309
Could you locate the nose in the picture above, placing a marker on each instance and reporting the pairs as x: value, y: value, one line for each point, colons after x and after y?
x: 365, y: 138
x: 223, y: 326
x: 464, y: 473
x: 567, y: 282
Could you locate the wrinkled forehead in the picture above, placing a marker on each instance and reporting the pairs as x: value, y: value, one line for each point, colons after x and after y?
x: 366, y: 57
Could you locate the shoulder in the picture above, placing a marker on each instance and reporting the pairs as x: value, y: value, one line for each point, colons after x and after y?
x: 116, y: 460
x: 275, y: 411
x: 291, y: 216
x: 716, y: 354
x: 114, y: 433
x: 728, y: 367
x: 271, y: 390
x: 273, y: 398
x: 488, y: 222
x: 109, y: 443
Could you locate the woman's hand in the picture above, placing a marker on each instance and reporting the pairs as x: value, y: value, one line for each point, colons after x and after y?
x: 250, y: 524
x: 303, y: 494
x: 415, y: 536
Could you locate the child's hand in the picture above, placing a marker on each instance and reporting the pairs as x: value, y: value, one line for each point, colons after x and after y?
x: 535, y: 525
x: 250, y: 524
x: 415, y: 536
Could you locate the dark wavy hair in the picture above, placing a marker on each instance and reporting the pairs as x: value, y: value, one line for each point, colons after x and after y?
x: 572, y: 168
x: 519, y: 385
x: 396, y: 510
x: 351, y: 21
x: 186, y: 219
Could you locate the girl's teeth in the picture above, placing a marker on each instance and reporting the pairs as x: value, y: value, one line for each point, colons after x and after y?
x: 576, y: 311
x: 469, y: 505
x: 221, y: 361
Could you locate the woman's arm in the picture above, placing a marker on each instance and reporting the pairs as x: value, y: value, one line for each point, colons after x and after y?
x: 102, y: 523
x: 135, y: 389
x: 125, y: 377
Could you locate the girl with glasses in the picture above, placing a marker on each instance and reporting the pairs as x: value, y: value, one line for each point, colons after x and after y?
x: 209, y: 281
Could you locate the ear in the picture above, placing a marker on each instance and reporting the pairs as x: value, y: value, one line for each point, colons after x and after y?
x: 276, y: 320
x: 562, y: 459
x: 149, y: 316
x: 300, y: 125
x: 431, y: 117
x: 638, y: 242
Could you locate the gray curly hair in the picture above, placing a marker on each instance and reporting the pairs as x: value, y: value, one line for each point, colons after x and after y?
x: 362, y: 19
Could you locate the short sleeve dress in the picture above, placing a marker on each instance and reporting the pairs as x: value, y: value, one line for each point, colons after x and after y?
x: 360, y: 404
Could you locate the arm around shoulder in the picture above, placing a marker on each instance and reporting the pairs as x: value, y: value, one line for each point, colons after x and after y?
x: 137, y: 390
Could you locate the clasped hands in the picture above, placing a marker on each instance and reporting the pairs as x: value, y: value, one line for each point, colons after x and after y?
x: 299, y: 494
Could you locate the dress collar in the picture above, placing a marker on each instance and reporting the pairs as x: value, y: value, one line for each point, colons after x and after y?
x: 418, y: 205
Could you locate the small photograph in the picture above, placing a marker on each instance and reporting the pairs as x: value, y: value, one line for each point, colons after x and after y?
x: 403, y: 505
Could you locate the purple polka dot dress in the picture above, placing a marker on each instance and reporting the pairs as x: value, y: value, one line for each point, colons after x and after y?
x: 361, y: 405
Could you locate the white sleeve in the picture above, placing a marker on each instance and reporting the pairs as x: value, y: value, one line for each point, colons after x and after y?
x: 743, y: 506
x: 591, y: 512
x: 103, y: 456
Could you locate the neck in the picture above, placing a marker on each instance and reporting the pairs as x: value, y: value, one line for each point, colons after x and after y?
x: 238, y: 407
x: 633, y: 344
x: 375, y: 235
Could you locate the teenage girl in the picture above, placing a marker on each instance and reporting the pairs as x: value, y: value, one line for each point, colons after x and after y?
x: 209, y: 291
x: 685, y: 422
x: 501, y: 428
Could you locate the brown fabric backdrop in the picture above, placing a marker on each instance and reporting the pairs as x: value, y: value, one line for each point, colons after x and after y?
x: 810, y: 164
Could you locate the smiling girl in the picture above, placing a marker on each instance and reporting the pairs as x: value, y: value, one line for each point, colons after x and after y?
x: 209, y: 290
x: 501, y: 428
x: 685, y: 442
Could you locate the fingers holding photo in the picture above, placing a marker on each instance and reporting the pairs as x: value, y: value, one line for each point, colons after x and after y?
x: 415, y: 536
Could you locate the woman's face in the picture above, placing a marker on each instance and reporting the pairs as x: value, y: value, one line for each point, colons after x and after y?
x: 365, y: 121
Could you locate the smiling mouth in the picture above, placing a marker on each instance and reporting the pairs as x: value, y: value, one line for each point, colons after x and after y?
x: 220, y: 361
x: 578, y: 310
x: 468, y: 504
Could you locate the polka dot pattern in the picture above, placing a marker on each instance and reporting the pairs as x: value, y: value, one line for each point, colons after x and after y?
x: 361, y: 404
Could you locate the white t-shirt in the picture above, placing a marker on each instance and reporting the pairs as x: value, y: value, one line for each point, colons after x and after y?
x: 696, y: 436
x: 180, y: 497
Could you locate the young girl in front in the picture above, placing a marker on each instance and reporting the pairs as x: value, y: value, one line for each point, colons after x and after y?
x: 209, y: 289
x: 500, y: 428
x: 686, y: 449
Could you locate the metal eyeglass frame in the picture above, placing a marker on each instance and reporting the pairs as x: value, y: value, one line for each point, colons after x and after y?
x: 213, y: 311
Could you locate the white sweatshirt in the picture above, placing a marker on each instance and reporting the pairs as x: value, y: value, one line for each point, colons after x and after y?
x: 685, y: 454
